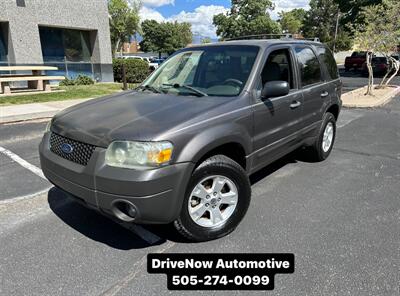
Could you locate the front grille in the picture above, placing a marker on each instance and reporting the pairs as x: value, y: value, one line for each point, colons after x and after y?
x: 81, y: 152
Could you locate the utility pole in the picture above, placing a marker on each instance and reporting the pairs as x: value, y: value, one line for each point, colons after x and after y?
x: 336, y: 30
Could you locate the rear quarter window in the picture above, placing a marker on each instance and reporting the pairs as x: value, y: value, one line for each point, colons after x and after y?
x: 326, y: 57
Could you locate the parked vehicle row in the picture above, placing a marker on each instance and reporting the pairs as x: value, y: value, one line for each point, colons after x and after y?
x: 358, y: 62
x: 380, y: 65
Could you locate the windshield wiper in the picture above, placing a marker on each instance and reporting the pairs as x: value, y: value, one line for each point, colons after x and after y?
x: 195, y: 90
x: 149, y: 87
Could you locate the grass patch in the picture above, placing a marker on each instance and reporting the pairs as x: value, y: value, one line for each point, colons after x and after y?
x: 71, y: 92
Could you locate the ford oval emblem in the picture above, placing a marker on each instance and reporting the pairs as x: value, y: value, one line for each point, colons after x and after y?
x: 66, y: 148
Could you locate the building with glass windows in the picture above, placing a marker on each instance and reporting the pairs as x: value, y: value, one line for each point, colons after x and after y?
x: 72, y: 35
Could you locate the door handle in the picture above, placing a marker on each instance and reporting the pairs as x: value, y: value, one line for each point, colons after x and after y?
x: 324, y: 94
x: 295, y: 104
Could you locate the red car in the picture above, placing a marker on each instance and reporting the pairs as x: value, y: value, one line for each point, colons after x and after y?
x: 355, y: 61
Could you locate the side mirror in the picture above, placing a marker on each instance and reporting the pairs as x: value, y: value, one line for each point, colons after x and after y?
x: 274, y: 89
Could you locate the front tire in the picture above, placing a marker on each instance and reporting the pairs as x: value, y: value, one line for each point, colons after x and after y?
x: 323, y: 144
x: 216, y: 200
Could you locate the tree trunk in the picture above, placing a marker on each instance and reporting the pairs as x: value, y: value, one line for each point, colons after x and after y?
x: 396, y: 65
x: 117, y: 45
x: 391, y: 66
x: 371, y: 75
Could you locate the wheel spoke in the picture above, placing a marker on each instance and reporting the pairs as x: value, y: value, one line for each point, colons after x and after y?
x: 198, y: 211
x: 229, y: 198
x: 218, y: 184
x: 200, y: 191
x: 216, y: 215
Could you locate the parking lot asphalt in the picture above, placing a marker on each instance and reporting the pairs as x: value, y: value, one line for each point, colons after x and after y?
x: 340, y: 218
x: 355, y: 79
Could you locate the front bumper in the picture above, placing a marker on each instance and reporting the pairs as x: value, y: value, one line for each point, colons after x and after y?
x: 156, y: 194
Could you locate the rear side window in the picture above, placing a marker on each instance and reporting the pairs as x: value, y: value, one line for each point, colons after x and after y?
x: 327, y: 58
x: 310, y: 69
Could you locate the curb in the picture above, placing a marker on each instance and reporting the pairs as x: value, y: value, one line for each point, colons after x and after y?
x: 384, y: 99
x: 44, y: 110
x: 27, y: 117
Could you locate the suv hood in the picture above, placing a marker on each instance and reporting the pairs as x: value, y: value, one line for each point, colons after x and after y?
x: 129, y: 116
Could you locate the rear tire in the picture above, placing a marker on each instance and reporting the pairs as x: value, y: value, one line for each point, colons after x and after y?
x: 220, y: 189
x: 325, y: 140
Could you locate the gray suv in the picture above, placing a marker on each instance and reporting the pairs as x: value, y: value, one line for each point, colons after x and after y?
x: 180, y: 148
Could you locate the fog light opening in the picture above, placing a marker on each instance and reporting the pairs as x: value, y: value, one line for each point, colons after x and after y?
x: 124, y: 211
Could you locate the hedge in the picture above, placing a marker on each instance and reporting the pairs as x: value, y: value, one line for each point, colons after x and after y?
x: 136, y: 70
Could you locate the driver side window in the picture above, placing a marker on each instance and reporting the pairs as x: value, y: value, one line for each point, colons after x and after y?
x: 278, y: 67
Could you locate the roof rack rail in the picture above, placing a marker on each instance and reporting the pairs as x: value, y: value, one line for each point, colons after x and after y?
x: 273, y: 36
x: 262, y: 36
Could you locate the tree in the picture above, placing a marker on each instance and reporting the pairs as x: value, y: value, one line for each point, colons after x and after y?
x: 379, y: 35
x: 205, y: 40
x: 165, y: 37
x: 246, y: 17
x: 391, y: 39
x: 124, y: 22
x: 351, y: 10
x: 292, y: 21
x: 321, y: 22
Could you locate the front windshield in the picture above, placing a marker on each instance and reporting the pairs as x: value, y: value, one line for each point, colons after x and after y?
x: 205, y: 71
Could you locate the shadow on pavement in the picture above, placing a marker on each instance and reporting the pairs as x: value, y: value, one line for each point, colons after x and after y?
x: 299, y: 155
x: 94, y: 225
x: 117, y: 235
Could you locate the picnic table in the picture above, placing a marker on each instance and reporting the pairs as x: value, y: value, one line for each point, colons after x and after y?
x: 36, y: 81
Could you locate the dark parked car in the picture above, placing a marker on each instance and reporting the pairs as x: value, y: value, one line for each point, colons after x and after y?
x: 180, y: 148
x: 380, y: 65
x: 355, y: 61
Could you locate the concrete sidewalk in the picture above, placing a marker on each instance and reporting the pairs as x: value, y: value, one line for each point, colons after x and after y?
x: 14, y: 113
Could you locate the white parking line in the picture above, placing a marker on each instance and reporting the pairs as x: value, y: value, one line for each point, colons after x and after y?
x: 25, y: 197
x: 37, y: 171
x: 146, y: 235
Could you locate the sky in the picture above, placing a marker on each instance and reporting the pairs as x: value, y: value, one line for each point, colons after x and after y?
x: 200, y: 12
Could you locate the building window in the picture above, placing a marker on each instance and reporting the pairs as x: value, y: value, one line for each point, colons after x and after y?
x: 65, y: 45
x: 67, y: 49
x: 3, y: 43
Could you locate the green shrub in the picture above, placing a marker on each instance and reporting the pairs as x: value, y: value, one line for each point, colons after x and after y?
x: 83, y: 80
x: 79, y: 80
x: 136, y: 70
x: 67, y: 82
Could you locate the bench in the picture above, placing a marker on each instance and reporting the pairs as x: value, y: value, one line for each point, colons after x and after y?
x: 36, y: 80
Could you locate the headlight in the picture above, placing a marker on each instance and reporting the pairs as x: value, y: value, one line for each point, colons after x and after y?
x: 138, y: 155
x: 48, y: 126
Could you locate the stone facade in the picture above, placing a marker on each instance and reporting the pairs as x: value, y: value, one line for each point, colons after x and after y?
x: 24, y: 17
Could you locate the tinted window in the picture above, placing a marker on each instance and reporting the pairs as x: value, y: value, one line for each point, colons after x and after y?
x: 309, y: 66
x: 327, y: 58
x: 359, y: 54
x: 278, y: 67
x: 65, y: 45
x: 3, y: 44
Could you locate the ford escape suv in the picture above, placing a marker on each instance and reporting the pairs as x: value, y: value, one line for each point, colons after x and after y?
x: 180, y: 148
